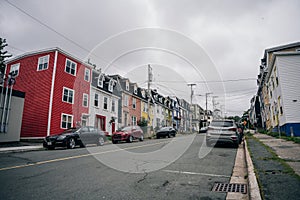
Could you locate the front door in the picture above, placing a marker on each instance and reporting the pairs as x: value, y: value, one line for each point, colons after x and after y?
x: 113, y: 127
x: 100, y: 122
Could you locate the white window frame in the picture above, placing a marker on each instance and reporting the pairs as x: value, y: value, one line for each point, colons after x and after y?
x: 133, y: 120
x: 100, y: 80
x: 105, y: 98
x: 63, y: 93
x: 42, y: 61
x: 72, y: 62
x: 85, y: 100
x: 67, y: 121
x: 15, y: 68
x: 111, y: 85
x: 133, y: 103
x: 127, y: 85
x: 135, y: 89
x: 125, y: 101
x: 96, y: 99
x: 87, y: 74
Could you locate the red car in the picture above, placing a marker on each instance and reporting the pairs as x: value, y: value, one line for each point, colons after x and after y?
x: 128, y: 134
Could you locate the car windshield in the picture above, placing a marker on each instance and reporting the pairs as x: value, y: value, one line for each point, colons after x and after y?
x: 165, y: 128
x: 222, y: 123
x: 71, y: 130
x: 128, y: 128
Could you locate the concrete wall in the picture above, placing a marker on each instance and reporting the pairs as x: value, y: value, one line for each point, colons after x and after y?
x: 14, y: 121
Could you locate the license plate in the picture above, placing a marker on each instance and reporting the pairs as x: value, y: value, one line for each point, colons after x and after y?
x: 49, y: 143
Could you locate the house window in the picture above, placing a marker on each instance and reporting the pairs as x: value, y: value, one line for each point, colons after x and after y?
x: 127, y: 85
x: 133, y: 103
x: 85, y: 100
x: 135, y: 89
x: 84, y: 119
x: 145, y: 107
x: 125, y: 102
x: 70, y: 67
x: 66, y: 121
x: 143, y: 94
x: 113, y: 106
x: 277, y: 82
x: 68, y: 95
x: 100, y: 80
x: 125, y: 118
x: 105, y: 101
x: 96, y: 100
x: 133, y: 119
x: 43, y: 63
x: 111, y: 85
x: 14, y: 69
x: 87, y: 74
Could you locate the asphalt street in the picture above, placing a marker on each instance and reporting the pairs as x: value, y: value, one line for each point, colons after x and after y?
x: 153, y: 169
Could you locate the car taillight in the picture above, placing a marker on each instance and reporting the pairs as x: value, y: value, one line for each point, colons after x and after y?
x: 232, y: 129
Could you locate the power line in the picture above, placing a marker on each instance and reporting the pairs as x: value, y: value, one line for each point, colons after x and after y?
x: 213, y: 81
x: 47, y: 26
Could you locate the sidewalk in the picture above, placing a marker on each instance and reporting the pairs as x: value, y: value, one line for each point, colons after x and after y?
x: 20, y: 147
x: 274, y: 161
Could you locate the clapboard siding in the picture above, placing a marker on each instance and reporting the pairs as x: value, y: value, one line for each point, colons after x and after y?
x: 289, y: 80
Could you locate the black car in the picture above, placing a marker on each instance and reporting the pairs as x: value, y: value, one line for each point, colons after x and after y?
x: 166, y: 132
x: 75, y: 136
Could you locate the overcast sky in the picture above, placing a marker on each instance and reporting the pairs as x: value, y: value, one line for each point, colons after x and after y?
x: 215, y: 44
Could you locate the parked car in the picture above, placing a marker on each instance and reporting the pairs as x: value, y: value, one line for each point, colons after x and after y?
x: 203, y: 129
x: 166, y: 132
x: 128, y: 133
x: 222, y: 131
x: 75, y: 136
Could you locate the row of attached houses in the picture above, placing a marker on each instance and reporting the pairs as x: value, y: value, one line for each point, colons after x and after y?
x: 276, y: 106
x: 62, y: 91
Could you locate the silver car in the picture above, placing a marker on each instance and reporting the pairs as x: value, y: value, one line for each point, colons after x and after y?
x: 222, y: 131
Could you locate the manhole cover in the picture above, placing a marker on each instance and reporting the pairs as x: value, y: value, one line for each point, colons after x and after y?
x: 230, y: 187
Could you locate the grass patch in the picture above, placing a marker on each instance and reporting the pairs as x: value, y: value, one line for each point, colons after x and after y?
x: 282, y: 136
x: 287, y: 168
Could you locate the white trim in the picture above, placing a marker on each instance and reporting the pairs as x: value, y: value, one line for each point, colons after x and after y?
x: 63, y: 95
x: 87, y: 100
x: 68, y: 115
x: 51, y: 94
x: 42, y: 57
x: 71, y: 61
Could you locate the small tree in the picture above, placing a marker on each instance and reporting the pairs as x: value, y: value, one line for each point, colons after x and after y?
x: 3, y: 54
x: 142, y: 122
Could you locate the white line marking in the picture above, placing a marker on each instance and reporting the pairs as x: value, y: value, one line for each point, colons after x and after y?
x: 78, y: 156
x: 196, y: 173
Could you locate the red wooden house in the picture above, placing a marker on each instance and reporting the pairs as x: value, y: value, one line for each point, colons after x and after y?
x: 57, y: 88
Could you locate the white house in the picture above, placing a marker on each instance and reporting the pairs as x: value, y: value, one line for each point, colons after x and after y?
x: 283, y: 81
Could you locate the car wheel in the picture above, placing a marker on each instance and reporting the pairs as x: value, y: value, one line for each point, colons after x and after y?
x: 71, y: 143
x: 50, y: 148
x: 114, y: 141
x: 142, y: 138
x: 100, y: 141
x: 130, y: 139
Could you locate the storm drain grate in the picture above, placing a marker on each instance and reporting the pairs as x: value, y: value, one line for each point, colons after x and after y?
x: 230, y: 187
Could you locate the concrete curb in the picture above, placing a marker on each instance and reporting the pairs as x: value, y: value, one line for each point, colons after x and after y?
x: 254, y: 192
x: 20, y: 149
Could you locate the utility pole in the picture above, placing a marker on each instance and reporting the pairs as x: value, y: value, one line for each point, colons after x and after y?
x: 192, y: 93
x: 149, y: 96
x: 206, y: 94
